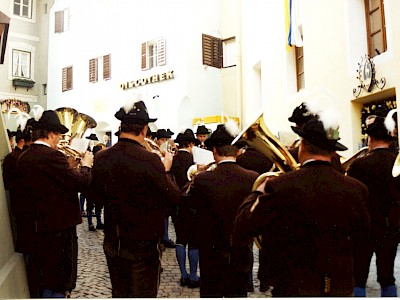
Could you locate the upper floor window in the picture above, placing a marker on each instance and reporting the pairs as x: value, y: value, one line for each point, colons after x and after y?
x: 100, y: 66
x: 21, y: 64
x: 301, y: 84
x: 23, y: 8
x: 376, y: 27
x: 153, y: 54
x: 218, y: 53
x: 62, y: 20
x: 67, y: 78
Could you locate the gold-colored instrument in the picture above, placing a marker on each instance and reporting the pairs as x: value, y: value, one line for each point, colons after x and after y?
x: 396, y: 166
x: 347, y: 161
x: 258, y: 136
x: 152, y: 146
x: 77, y: 124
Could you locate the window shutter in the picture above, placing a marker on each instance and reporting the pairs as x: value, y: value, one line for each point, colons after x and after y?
x: 376, y: 27
x: 93, y: 70
x: 212, y: 51
x: 144, y: 56
x: 107, y: 66
x: 59, y: 21
x: 66, y: 79
x: 161, y: 52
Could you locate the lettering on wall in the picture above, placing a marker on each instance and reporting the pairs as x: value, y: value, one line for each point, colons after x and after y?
x: 147, y: 80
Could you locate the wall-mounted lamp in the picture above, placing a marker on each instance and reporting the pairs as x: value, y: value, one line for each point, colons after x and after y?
x: 4, y: 24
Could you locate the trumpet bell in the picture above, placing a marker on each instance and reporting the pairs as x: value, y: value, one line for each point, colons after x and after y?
x: 347, y: 162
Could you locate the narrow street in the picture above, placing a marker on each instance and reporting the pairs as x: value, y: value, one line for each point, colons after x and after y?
x: 93, y: 279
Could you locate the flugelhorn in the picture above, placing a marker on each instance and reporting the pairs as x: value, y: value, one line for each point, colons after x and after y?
x: 347, y: 162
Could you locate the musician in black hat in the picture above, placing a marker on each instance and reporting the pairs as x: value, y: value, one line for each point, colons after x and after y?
x: 11, y: 135
x: 310, y: 220
x: 47, y: 209
x: 183, y: 219
x: 375, y: 171
x: 135, y: 189
x: 300, y: 116
x: 216, y: 195
x: 202, y: 134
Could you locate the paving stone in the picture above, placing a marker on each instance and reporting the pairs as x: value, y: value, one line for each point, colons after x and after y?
x: 94, y: 282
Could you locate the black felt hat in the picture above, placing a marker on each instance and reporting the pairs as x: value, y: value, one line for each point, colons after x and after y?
x: 202, y: 130
x: 187, y: 136
x: 300, y: 115
x: 92, y: 137
x: 314, y: 132
x: 134, y: 114
x: 50, y: 121
x: 220, y: 137
x: 10, y: 133
x: 163, y: 134
x: 378, y: 130
x: 170, y: 132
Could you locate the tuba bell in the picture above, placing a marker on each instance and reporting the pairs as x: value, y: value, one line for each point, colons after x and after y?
x: 258, y: 136
x: 77, y: 124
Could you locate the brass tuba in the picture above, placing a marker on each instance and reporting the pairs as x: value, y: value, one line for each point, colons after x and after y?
x: 77, y: 124
x: 258, y: 136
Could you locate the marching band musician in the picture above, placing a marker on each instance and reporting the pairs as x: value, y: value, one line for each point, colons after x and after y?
x: 47, y: 209
x: 310, y: 220
x: 202, y: 133
x: 183, y: 219
x: 300, y: 116
x: 135, y: 189
x: 375, y: 171
x: 216, y: 195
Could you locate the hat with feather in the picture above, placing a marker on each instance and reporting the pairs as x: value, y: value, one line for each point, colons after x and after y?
x: 223, y: 135
x: 134, y: 112
x: 47, y: 120
x: 322, y: 130
x: 381, y: 128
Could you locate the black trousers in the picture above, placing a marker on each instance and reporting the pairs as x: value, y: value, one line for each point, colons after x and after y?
x: 134, y: 267
x: 53, y: 264
x: 385, y: 250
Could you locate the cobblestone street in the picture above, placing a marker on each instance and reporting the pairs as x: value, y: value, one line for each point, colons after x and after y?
x: 93, y: 279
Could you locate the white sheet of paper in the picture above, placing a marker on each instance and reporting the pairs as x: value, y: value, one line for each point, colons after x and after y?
x: 202, y: 156
x: 80, y: 144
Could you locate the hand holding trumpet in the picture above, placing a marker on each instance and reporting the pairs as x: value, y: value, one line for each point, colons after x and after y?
x: 87, y: 159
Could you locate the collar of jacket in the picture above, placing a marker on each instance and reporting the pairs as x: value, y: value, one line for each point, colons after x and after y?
x: 128, y: 141
x: 311, y: 163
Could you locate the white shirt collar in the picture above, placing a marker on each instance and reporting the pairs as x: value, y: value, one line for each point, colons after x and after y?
x: 42, y: 143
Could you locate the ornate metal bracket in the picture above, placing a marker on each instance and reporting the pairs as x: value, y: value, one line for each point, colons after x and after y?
x: 366, y: 76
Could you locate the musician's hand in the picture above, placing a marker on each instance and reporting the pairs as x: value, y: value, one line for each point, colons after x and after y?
x: 261, y: 186
x: 73, y: 163
x: 167, y: 161
x: 87, y: 160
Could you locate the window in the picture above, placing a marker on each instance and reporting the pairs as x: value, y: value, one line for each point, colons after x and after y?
x: 67, y: 79
x: 219, y: 53
x: 100, y: 66
x: 153, y: 54
x: 62, y: 20
x: 21, y: 64
x: 376, y: 28
x: 300, y: 68
x: 23, y: 8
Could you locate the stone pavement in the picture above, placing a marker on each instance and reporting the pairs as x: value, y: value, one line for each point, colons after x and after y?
x: 93, y: 278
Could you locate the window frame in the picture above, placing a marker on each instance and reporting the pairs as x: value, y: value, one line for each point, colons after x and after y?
x: 62, y: 20
x: 381, y: 28
x: 21, y: 7
x: 212, y: 51
x: 100, y: 67
x: 19, y: 66
x: 153, y: 54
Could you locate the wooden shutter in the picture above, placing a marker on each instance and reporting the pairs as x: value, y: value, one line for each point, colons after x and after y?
x: 376, y: 27
x: 59, y: 21
x: 93, y: 77
x: 107, y: 66
x: 300, y: 68
x: 67, y: 79
x: 144, y: 56
x: 161, y: 52
x: 212, y: 51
